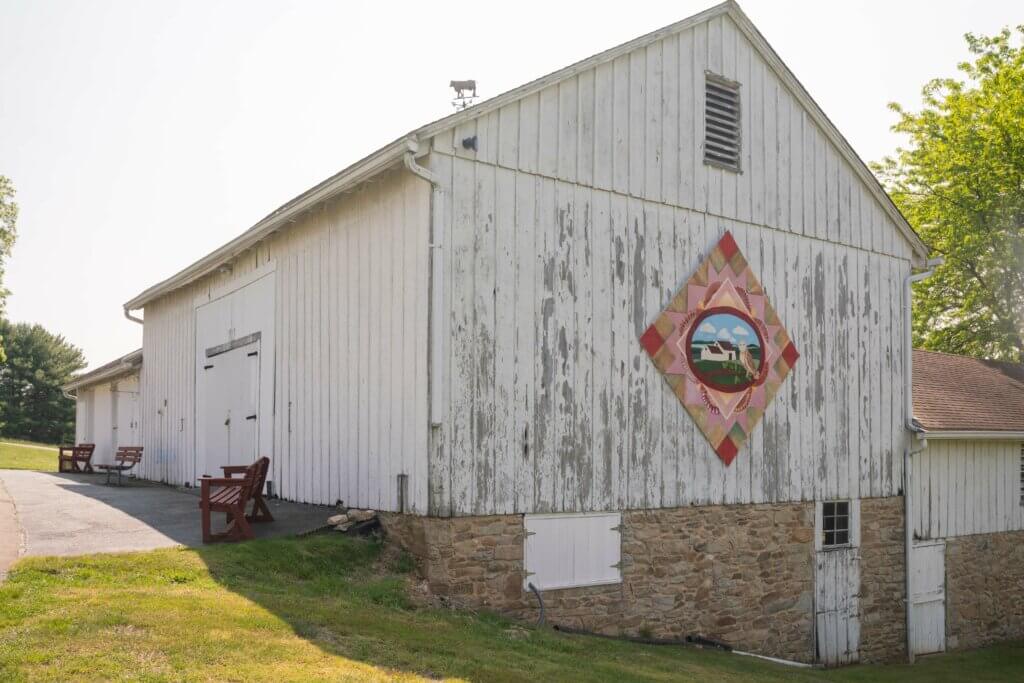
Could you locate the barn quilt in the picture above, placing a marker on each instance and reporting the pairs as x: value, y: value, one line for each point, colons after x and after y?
x: 722, y: 348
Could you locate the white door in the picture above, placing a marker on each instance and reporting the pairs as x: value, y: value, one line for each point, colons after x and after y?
x: 127, y: 424
x: 837, y: 605
x: 928, y: 598
x: 229, y: 405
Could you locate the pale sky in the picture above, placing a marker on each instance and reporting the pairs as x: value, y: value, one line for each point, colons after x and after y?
x: 142, y: 135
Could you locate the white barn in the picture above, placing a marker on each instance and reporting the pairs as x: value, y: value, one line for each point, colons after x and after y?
x: 448, y: 330
x: 107, y: 406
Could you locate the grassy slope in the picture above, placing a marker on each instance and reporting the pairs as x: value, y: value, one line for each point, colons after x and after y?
x: 22, y: 455
x: 325, y: 608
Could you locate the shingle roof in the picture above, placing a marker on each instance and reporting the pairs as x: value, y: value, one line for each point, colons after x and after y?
x: 957, y: 393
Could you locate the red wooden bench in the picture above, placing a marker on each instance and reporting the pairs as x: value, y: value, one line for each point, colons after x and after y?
x: 260, y: 511
x: 125, y: 459
x: 230, y: 496
x: 75, y: 458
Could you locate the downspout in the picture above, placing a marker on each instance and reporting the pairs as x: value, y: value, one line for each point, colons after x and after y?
x: 914, y: 447
x: 435, y: 288
x: 128, y: 314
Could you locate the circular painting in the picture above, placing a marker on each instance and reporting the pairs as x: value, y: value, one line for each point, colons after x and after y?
x: 725, y: 350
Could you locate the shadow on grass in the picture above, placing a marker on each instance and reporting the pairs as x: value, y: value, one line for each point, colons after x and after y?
x: 328, y: 607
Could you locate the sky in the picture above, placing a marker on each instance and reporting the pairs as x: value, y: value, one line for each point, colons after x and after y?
x: 727, y: 328
x: 142, y: 135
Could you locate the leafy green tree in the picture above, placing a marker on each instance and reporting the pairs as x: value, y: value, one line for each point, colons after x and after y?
x: 8, y: 231
x: 32, y: 404
x: 960, y: 183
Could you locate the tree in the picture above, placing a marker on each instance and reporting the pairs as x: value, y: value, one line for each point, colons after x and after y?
x: 38, y: 364
x: 960, y: 183
x: 8, y: 231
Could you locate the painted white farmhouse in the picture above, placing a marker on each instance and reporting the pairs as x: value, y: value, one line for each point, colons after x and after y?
x: 468, y: 329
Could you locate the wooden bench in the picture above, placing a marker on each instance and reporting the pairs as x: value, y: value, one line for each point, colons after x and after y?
x: 75, y: 458
x: 230, y: 496
x: 260, y: 511
x: 125, y: 459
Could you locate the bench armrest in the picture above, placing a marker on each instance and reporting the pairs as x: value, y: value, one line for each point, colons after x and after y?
x: 220, y: 481
x: 233, y: 469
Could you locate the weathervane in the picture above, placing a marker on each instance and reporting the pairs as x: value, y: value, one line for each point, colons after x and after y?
x: 465, y: 93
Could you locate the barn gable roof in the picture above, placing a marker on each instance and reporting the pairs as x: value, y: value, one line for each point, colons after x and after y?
x: 125, y: 365
x: 391, y: 155
x: 962, y: 395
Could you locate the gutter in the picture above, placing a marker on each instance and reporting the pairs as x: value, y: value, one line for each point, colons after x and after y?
x: 908, y: 453
x: 124, y: 365
x: 355, y: 174
x: 990, y: 435
x: 435, y: 286
x: 908, y: 348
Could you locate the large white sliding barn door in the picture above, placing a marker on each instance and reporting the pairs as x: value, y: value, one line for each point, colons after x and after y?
x: 928, y: 598
x: 234, y: 374
x: 229, y: 394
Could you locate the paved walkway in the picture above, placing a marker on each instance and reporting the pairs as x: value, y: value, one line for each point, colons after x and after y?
x: 10, y: 532
x: 45, y: 513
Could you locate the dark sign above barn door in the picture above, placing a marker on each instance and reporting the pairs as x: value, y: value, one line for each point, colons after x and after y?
x: 722, y: 348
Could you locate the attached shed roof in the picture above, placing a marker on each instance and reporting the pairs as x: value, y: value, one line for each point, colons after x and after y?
x: 962, y: 394
x: 390, y: 156
x: 125, y: 365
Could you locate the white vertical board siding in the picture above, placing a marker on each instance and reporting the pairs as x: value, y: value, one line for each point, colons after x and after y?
x: 349, y: 358
x: 554, y: 405
x: 966, y: 487
x: 635, y: 126
x: 571, y: 227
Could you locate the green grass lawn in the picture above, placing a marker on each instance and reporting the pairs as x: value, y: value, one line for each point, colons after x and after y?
x: 22, y: 455
x: 330, y: 608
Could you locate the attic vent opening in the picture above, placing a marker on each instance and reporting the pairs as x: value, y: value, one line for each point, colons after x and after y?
x: 721, y: 122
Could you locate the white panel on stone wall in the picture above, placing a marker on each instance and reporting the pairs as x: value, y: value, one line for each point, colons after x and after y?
x: 569, y: 550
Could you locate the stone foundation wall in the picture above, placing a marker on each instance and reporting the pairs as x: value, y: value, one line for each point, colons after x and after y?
x: 742, y: 574
x: 984, y: 589
x: 883, y: 633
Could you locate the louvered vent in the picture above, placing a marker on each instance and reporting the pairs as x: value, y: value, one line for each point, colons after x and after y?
x: 721, y: 122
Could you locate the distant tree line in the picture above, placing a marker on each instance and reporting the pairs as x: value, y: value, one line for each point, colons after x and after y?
x: 38, y: 364
x: 34, y: 363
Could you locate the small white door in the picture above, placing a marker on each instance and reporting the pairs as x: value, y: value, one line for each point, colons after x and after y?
x: 127, y: 424
x: 928, y: 598
x: 837, y: 606
x: 837, y: 582
x: 229, y: 404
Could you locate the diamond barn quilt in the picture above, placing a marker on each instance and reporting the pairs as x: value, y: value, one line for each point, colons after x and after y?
x: 722, y: 348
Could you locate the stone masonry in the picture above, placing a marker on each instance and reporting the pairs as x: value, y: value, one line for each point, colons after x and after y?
x: 883, y: 634
x: 742, y: 574
x: 984, y: 589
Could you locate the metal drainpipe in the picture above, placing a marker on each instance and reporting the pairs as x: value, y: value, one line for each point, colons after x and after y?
x: 128, y: 314
x: 435, y: 289
x: 910, y: 451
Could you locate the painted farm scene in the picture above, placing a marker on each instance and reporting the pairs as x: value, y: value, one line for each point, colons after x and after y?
x: 725, y: 351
